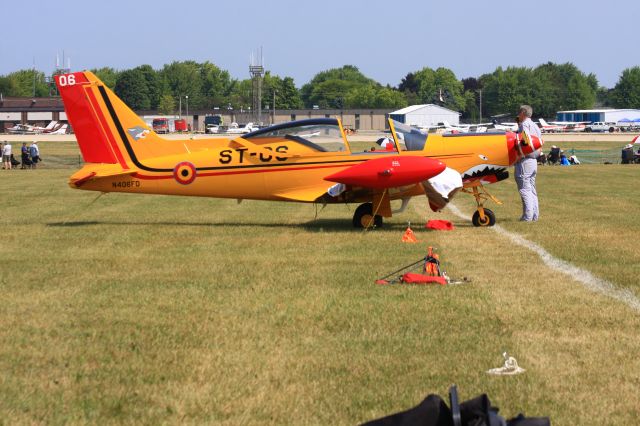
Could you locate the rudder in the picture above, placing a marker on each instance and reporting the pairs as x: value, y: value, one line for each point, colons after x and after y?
x: 91, y: 110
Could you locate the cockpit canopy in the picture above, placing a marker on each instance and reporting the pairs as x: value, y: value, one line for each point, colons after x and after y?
x: 412, y: 138
x: 318, y: 134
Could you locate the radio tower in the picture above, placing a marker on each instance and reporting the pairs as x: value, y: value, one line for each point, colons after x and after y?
x: 257, y: 71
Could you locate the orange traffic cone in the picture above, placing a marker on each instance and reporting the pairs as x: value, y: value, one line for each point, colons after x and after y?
x: 409, y: 236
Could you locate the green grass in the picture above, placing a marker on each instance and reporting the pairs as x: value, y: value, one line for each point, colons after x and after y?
x: 143, y: 309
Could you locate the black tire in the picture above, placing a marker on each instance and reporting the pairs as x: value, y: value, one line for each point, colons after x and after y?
x: 362, y: 217
x: 489, y: 218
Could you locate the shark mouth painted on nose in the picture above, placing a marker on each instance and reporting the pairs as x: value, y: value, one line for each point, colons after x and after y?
x: 485, y: 173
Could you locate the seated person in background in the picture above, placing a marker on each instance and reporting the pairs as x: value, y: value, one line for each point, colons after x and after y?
x: 542, y: 159
x: 563, y: 159
x: 574, y: 160
x: 554, y: 155
x: 627, y: 154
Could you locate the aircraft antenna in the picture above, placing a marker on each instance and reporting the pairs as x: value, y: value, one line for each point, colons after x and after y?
x: 256, y: 69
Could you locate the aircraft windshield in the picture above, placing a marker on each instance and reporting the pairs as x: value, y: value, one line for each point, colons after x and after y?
x: 412, y: 138
x: 322, y: 135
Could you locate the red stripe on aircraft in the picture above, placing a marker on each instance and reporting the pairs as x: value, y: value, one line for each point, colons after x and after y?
x: 105, y: 126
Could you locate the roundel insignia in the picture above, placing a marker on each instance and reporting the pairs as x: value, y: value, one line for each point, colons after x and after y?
x: 184, y: 173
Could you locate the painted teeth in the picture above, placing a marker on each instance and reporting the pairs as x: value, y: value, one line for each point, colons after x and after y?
x: 482, y: 169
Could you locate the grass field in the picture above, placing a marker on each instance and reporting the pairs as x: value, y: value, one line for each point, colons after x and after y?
x: 152, y: 309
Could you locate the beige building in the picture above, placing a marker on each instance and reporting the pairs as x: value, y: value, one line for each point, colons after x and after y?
x: 39, y: 111
x: 355, y: 119
x: 34, y: 111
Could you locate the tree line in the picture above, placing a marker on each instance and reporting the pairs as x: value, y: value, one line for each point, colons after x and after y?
x: 547, y: 88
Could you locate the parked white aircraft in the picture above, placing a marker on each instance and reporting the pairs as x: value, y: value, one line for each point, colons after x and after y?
x: 550, y: 128
x: 240, y: 130
x: 27, y: 129
x: 60, y: 130
x: 563, y: 126
x: 22, y: 129
x: 507, y: 127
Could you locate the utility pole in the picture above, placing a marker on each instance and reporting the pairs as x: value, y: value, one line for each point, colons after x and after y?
x: 257, y: 71
x: 34, y: 76
x: 480, y: 107
x: 273, y: 110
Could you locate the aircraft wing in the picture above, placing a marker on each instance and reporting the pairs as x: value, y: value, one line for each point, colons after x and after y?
x: 305, y: 194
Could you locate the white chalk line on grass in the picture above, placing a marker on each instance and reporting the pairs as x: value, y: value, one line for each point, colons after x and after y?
x: 583, y: 276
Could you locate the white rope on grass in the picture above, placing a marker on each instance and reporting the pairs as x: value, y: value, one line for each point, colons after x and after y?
x: 584, y: 277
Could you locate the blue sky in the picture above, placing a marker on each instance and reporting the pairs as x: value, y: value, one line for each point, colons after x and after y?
x: 384, y: 39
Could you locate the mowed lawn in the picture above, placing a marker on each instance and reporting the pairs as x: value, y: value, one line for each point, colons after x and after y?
x: 154, y: 309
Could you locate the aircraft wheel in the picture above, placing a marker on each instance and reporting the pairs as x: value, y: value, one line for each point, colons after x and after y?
x: 362, y: 217
x: 489, y: 218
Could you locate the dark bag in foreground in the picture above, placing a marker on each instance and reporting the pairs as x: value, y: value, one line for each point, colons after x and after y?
x: 433, y: 411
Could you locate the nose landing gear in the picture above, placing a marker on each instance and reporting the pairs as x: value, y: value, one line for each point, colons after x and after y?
x: 482, y: 216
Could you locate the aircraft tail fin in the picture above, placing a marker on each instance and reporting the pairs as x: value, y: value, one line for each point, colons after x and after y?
x: 543, y: 122
x: 105, y: 127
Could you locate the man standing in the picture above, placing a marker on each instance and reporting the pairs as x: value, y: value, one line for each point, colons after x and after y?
x: 35, y: 154
x: 526, y: 167
x: 24, y: 151
x: 6, y: 155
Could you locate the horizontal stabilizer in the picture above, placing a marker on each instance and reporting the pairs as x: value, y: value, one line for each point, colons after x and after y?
x: 91, y: 172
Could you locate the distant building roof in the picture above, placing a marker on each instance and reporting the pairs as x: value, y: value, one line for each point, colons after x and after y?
x: 581, y: 111
x: 31, y: 104
x: 414, y: 108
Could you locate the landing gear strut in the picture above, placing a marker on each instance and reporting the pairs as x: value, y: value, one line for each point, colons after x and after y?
x: 364, y: 218
x: 482, y: 216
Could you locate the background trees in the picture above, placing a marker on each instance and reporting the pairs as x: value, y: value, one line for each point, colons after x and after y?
x: 108, y: 75
x: 25, y: 83
x: 347, y: 87
x: 439, y: 86
x: 626, y: 93
x: 548, y: 88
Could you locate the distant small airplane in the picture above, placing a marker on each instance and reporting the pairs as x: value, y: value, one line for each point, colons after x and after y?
x: 59, y: 130
x: 562, y: 126
x: 550, y: 128
x: 308, y: 161
x: 22, y: 129
x: 240, y: 130
x: 505, y: 127
x: 27, y: 129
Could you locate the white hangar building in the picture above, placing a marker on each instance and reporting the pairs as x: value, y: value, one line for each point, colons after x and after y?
x: 604, y: 115
x: 425, y: 115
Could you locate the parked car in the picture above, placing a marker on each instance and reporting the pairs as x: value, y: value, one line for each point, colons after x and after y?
x: 600, y: 126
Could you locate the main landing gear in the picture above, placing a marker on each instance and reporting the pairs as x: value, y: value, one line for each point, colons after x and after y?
x: 364, y: 218
x: 482, y: 216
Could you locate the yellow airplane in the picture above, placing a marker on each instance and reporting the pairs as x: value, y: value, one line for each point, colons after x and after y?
x: 305, y: 161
